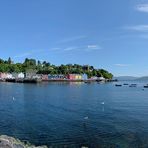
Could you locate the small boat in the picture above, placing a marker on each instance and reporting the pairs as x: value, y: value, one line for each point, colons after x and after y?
x: 125, y: 84
x: 118, y: 85
x: 87, y: 82
x: 146, y: 86
x: 133, y: 85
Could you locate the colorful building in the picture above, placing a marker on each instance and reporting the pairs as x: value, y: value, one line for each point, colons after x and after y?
x: 74, y: 77
x: 44, y: 77
x: 30, y: 75
x: 84, y: 77
x: 18, y: 75
x: 3, y: 75
x: 56, y: 77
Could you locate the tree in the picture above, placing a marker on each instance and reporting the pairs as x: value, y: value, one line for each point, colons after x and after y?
x: 9, y: 61
x: 30, y: 65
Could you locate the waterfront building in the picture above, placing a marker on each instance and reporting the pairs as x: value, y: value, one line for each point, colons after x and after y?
x: 84, y: 77
x: 9, y: 76
x: 74, y: 77
x: 36, y: 77
x: 18, y: 75
x: 44, y: 77
x: 3, y: 75
x: 94, y: 78
x: 101, y: 78
x: 56, y: 77
x: 30, y: 75
x: 21, y: 75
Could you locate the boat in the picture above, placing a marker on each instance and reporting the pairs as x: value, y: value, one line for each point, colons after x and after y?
x: 133, y: 85
x: 118, y: 85
x: 125, y: 84
x: 146, y: 86
x: 87, y: 82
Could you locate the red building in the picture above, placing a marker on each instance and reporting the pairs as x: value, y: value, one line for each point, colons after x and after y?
x: 71, y: 76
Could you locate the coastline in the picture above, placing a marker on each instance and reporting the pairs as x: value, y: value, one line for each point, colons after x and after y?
x: 10, y: 142
x: 52, y: 80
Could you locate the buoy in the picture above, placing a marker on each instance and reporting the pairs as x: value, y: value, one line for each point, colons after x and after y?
x: 85, y: 118
x: 102, y: 103
x: 13, y: 98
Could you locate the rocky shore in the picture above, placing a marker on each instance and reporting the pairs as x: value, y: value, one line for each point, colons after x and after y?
x: 10, y: 142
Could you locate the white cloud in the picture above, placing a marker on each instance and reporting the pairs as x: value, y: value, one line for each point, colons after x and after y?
x: 70, y: 39
x: 140, y: 28
x: 54, y: 49
x: 22, y: 55
x: 70, y: 48
x: 122, y: 65
x: 142, y: 8
x: 93, y: 47
x: 83, y: 48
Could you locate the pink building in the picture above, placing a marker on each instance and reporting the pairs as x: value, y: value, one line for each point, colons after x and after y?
x: 44, y: 77
x: 3, y: 75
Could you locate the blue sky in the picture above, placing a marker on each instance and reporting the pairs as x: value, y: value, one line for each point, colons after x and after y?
x: 110, y: 34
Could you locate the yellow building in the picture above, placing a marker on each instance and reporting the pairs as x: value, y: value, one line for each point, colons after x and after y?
x: 78, y: 77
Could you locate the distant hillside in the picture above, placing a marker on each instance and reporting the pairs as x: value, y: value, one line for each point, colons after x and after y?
x: 126, y: 78
x: 145, y: 78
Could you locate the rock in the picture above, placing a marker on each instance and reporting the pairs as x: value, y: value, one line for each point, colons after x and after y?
x: 10, y: 142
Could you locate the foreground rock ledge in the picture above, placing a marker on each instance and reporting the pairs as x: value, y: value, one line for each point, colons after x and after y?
x: 10, y: 142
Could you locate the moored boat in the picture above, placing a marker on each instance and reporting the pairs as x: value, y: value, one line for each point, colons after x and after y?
x: 125, y: 84
x: 145, y: 86
x: 133, y: 85
x: 118, y: 85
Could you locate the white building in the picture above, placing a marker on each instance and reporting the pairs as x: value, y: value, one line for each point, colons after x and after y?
x: 9, y: 76
x: 18, y: 75
x: 21, y: 75
x: 101, y: 79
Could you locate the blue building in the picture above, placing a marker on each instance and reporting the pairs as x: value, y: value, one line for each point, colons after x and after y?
x: 84, y: 77
x: 55, y: 77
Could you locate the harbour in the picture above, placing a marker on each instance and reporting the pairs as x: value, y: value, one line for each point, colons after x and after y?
x: 74, y: 114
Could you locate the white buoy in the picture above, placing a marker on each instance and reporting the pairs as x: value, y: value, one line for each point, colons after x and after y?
x: 13, y: 98
x: 102, y: 103
x: 85, y: 118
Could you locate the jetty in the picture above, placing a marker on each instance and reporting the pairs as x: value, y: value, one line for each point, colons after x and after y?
x: 23, y: 80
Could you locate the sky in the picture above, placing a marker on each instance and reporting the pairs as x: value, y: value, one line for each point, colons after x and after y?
x: 109, y: 34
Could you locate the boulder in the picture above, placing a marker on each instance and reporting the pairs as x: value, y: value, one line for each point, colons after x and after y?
x: 10, y: 142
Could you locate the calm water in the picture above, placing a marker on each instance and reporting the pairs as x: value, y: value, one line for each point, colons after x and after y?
x: 73, y: 115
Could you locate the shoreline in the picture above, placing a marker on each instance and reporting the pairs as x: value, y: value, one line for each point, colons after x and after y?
x: 10, y: 142
x: 52, y: 80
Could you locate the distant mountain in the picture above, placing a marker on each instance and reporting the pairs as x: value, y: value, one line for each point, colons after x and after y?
x: 126, y: 78
x: 145, y: 78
